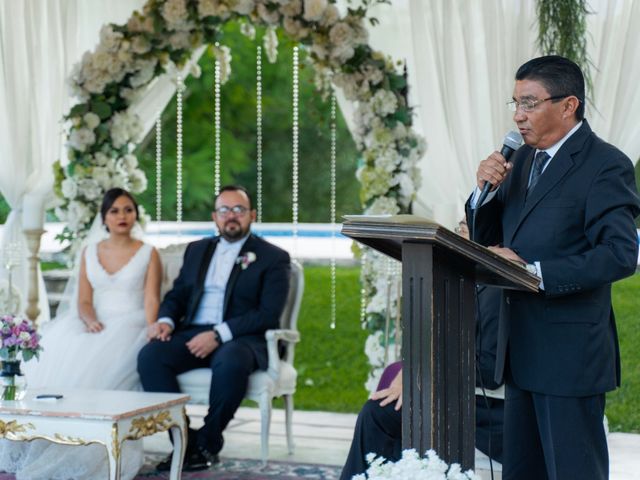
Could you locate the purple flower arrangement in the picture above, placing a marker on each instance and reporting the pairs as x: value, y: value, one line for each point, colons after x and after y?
x: 18, y: 335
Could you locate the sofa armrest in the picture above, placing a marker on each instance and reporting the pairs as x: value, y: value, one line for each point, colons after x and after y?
x: 272, y: 336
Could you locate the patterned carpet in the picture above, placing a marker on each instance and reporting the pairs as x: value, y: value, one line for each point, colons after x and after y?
x: 230, y: 469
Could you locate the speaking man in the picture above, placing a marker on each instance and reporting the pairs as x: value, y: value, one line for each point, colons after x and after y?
x: 564, y: 208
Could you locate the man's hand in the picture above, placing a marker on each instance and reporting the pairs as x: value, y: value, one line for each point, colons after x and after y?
x: 508, y: 254
x: 159, y: 331
x: 393, y: 393
x: 494, y: 169
x: 203, y: 344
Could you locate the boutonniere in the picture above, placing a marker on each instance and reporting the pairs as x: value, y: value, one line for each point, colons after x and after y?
x: 246, y: 260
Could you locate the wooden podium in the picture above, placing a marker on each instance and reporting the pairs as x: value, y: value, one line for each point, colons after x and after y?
x: 440, y: 270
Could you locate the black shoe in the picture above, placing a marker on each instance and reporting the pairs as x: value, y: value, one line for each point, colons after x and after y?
x: 194, y: 460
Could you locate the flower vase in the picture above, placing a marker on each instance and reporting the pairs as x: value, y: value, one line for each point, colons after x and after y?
x: 12, y: 381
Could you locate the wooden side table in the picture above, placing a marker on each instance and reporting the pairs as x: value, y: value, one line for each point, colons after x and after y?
x: 106, y: 417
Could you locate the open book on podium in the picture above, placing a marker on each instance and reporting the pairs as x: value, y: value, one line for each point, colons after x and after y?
x: 440, y: 271
x: 387, y: 233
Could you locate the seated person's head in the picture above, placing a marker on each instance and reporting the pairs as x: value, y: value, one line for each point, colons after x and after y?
x: 119, y: 210
x: 233, y: 213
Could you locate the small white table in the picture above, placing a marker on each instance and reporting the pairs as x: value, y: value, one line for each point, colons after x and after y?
x: 106, y: 417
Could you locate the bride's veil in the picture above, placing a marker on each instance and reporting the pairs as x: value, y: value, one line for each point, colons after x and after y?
x: 68, y: 305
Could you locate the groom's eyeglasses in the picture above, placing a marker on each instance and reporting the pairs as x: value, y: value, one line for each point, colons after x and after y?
x: 238, y: 210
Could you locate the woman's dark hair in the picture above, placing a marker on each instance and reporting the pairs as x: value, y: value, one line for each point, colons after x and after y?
x: 559, y: 75
x: 111, y: 196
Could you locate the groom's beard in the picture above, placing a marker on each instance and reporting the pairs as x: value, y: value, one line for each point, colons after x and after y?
x: 233, y: 231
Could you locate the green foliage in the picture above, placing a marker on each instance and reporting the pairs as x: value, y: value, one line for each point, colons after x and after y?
x: 562, y: 31
x: 238, y: 140
x: 623, y: 405
x: 4, y: 209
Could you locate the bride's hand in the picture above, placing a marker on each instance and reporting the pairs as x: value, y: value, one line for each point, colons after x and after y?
x: 94, y: 326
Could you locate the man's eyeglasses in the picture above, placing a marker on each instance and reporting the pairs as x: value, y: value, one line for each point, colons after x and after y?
x: 238, y: 210
x: 530, y: 105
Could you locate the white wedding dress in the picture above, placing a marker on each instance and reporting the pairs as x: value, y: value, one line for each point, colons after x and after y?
x: 74, y: 358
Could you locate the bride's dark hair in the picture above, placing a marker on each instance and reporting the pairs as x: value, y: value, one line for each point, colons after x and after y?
x: 110, y: 197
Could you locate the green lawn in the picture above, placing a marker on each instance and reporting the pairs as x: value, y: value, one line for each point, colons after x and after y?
x: 623, y: 405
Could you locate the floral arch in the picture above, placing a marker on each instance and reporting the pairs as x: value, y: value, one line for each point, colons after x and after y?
x: 102, y: 132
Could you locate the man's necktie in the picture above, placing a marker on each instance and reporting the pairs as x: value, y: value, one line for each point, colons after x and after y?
x: 538, y: 165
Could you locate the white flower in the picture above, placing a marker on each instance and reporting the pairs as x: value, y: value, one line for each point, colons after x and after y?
x: 243, y: 7
x: 125, y: 127
x: 69, y: 188
x: 78, y: 214
x: 138, y: 23
x: 294, y: 28
x: 384, y: 102
x: 89, y: 188
x: 140, y: 45
x: 137, y: 181
x: 145, y: 73
x: 271, y: 44
x: 102, y: 177
x: 91, y: 120
x: 407, y: 188
x: 248, y: 30
x: 314, y: 9
x: 291, y: 9
x: 180, y: 40
x: 383, y: 205
x: 341, y: 33
x: 213, y: 8
x: 81, y: 138
x: 373, y: 349
x: 330, y: 17
x: 223, y: 55
x: 270, y: 17
x: 129, y: 162
x: 176, y: 15
x: 100, y: 159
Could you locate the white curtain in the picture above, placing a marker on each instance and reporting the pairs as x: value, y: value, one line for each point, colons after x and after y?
x: 40, y: 40
x: 462, y: 56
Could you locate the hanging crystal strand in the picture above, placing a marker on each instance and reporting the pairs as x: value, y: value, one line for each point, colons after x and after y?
x: 159, y: 169
x: 179, y: 91
x: 332, y: 209
x: 363, y: 291
x: 259, y: 131
x: 294, y: 192
x: 216, y: 121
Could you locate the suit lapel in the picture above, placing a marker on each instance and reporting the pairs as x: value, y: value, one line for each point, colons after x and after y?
x: 201, y: 276
x: 560, y: 165
x: 235, y: 273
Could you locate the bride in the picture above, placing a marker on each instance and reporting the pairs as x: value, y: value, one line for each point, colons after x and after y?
x: 95, y: 343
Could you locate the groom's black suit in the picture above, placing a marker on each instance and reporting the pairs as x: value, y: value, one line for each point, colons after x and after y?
x: 254, y: 298
x: 560, y: 346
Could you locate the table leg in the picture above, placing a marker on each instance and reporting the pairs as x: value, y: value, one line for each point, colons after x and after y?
x: 114, y: 462
x: 179, y: 435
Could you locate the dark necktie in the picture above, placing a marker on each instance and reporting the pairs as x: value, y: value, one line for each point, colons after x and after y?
x: 538, y: 165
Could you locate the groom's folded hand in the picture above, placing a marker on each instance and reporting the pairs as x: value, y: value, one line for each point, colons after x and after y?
x: 203, y: 344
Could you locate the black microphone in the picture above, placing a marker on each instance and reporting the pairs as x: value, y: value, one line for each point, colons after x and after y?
x: 510, y: 144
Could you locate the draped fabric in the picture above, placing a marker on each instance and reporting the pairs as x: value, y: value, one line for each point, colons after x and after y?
x: 461, y: 57
x: 40, y: 40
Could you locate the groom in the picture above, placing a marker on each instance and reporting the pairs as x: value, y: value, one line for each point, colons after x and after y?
x: 230, y: 290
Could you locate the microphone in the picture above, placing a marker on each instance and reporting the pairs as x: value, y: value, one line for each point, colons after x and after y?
x: 510, y: 144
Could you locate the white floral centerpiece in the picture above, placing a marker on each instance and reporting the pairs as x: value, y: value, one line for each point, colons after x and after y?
x: 412, y: 467
x: 102, y: 132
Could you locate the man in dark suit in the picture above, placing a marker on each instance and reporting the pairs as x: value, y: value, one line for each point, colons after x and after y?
x: 230, y: 290
x: 564, y: 208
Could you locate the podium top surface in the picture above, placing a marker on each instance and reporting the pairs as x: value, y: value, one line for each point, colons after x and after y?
x: 386, y: 234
